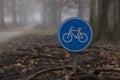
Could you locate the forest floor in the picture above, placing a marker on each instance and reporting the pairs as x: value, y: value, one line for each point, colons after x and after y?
x: 40, y: 57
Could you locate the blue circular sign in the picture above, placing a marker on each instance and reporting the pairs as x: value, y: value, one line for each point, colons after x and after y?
x: 75, y: 34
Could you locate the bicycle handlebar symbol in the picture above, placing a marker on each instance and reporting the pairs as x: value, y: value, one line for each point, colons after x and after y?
x: 81, y: 37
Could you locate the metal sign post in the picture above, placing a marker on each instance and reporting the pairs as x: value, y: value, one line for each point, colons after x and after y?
x: 75, y: 34
x: 74, y: 58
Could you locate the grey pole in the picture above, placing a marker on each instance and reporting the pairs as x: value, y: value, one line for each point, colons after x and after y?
x: 74, y: 63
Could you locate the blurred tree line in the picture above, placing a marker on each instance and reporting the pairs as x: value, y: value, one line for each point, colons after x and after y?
x: 104, y: 14
x: 51, y: 13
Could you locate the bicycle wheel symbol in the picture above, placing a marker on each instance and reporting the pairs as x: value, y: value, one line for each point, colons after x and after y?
x: 67, y: 37
x: 83, y: 37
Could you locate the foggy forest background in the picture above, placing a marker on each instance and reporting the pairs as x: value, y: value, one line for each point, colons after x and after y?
x: 103, y: 15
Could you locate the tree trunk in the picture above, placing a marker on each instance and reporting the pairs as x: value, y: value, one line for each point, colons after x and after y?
x: 105, y: 18
x: 59, y: 15
x: 103, y: 22
x: 116, y: 28
x: 56, y: 14
x: 81, y: 8
x: 99, y: 19
x: 112, y: 17
x: 94, y: 18
x: 14, y: 12
x: 43, y: 14
x: 22, y: 12
x: 1, y: 15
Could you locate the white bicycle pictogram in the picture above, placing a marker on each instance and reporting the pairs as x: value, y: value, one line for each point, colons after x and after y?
x: 68, y: 37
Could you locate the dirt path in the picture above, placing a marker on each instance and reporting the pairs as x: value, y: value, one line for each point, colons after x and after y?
x: 6, y: 35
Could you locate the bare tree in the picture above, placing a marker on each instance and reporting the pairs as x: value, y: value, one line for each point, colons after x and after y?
x: 114, y: 19
x: 99, y: 20
x: 22, y: 11
x: 94, y: 18
x: 14, y: 11
x: 104, y: 19
x: 1, y: 15
x: 81, y: 8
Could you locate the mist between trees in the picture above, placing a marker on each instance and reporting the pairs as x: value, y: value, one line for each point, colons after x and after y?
x: 103, y: 15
